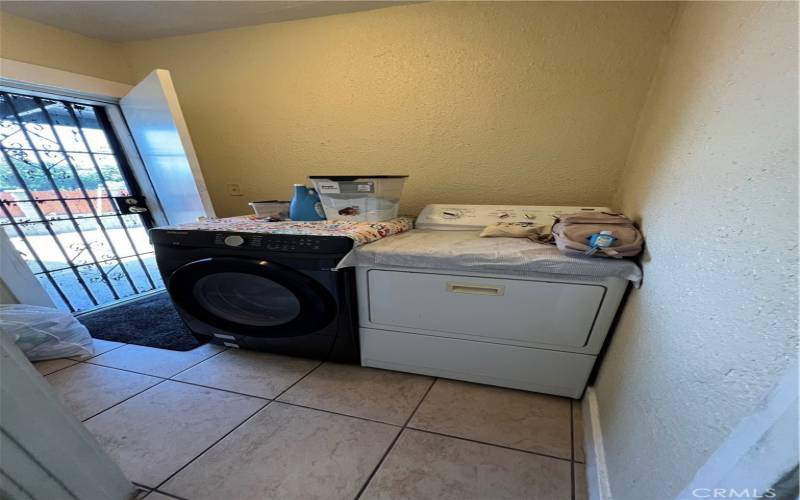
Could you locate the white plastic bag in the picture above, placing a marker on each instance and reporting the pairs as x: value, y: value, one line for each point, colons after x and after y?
x: 44, y: 333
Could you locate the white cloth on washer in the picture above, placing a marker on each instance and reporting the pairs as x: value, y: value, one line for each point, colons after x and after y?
x: 467, y: 251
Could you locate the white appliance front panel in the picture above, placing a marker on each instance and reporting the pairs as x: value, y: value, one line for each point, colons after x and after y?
x: 539, y: 370
x: 491, y: 309
x: 477, y: 217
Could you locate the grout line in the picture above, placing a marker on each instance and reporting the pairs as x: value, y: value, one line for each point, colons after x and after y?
x: 394, y: 441
x: 83, y: 360
x: 420, y: 402
x: 141, y: 489
x: 120, y: 402
x: 299, y: 380
x: 491, y: 444
x: 572, y: 446
x: 161, y: 381
x: 571, y: 431
x: 201, y: 361
x: 263, y: 398
x: 218, y: 389
x: 59, y: 370
x: 170, y: 495
x: 89, y: 361
x: 76, y: 360
x: 235, y: 427
x: 126, y: 370
x: 399, y: 426
x: 187, y: 464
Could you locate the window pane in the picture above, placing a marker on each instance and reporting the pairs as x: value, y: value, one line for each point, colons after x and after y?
x: 54, y: 295
x: 34, y: 121
x: 72, y: 288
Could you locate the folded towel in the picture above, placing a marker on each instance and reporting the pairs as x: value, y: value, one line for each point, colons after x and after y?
x: 530, y: 230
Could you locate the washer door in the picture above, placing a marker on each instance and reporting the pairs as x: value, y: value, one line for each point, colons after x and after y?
x: 252, y: 297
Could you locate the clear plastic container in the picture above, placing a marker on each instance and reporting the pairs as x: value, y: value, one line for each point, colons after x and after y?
x: 353, y: 198
x: 272, y: 209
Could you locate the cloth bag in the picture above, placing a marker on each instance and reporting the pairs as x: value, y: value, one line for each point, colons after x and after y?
x: 571, y: 234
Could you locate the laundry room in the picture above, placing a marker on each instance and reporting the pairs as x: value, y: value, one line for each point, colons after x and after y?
x: 398, y: 250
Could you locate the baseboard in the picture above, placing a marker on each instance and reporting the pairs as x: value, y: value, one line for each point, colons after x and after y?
x: 596, y: 471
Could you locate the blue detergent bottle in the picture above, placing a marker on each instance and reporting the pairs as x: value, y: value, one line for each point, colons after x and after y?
x: 305, y: 204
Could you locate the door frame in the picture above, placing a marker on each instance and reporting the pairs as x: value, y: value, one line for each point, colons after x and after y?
x: 16, y: 76
x: 118, y: 125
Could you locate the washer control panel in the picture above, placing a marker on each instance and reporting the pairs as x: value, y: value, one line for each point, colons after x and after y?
x: 477, y: 217
x: 242, y: 242
x: 280, y: 242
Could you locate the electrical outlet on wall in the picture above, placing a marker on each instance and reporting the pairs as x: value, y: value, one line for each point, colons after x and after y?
x: 234, y: 189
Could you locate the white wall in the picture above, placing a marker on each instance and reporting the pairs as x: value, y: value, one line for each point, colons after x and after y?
x: 712, y: 177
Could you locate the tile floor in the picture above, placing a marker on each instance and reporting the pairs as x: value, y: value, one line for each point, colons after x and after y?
x: 213, y: 423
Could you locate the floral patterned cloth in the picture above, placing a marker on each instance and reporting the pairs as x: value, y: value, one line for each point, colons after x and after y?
x: 360, y: 232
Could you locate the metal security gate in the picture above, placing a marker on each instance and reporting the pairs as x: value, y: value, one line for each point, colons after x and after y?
x: 69, y: 203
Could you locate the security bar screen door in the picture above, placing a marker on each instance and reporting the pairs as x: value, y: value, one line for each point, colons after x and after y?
x: 69, y: 203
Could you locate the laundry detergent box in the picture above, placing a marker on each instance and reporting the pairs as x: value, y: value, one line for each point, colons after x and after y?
x: 359, y: 198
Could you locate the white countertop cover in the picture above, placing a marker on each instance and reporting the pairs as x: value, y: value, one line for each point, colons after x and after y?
x: 466, y: 251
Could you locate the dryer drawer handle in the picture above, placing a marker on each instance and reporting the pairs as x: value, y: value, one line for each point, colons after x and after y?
x: 475, y: 289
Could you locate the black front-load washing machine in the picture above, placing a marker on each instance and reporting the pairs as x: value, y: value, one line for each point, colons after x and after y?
x: 270, y: 292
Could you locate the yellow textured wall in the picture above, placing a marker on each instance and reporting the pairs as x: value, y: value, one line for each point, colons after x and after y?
x: 712, y: 177
x: 495, y: 102
x: 36, y: 43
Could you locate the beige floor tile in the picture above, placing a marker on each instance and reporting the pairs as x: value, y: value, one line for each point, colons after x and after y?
x: 151, y: 361
x: 581, y: 488
x: 577, y: 432
x: 141, y: 493
x: 100, y: 347
x: 51, y: 365
x: 154, y: 434
x: 154, y: 495
x: 287, y: 452
x: 427, y: 466
x: 523, y: 420
x: 362, y: 392
x: 89, y: 389
x: 249, y: 372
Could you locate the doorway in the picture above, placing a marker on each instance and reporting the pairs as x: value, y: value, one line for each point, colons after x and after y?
x: 70, y: 204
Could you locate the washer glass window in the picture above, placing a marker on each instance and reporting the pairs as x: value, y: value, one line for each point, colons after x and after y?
x: 246, y: 299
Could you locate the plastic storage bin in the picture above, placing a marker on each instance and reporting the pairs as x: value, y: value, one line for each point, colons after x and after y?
x: 354, y: 198
x: 272, y: 209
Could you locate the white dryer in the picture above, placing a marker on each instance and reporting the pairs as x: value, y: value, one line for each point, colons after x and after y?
x: 499, y: 311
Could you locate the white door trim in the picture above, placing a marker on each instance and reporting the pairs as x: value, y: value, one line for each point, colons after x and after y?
x: 63, y: 83
x: 596, y: 469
